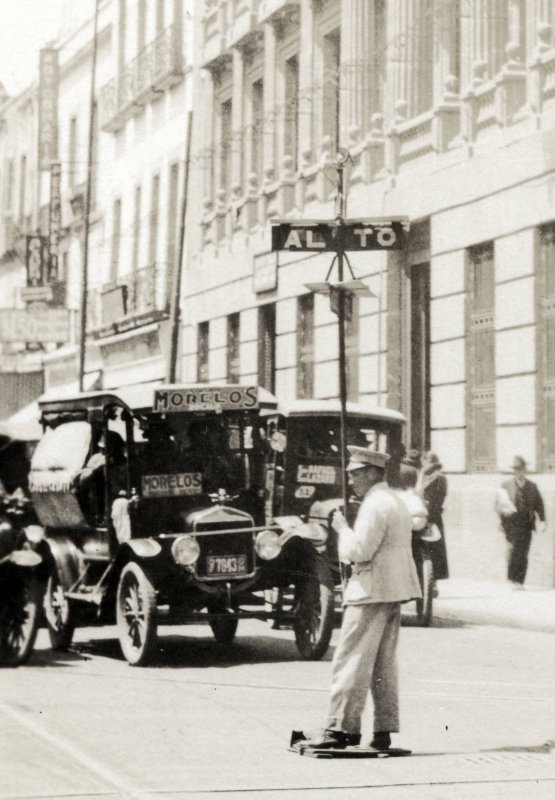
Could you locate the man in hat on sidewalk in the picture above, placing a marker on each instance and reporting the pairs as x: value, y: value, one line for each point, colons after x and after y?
x: 383, y: 576
x: 518, y: 520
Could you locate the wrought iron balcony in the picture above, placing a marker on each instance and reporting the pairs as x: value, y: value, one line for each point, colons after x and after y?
x: 155, y: 68
x: 135, y: 298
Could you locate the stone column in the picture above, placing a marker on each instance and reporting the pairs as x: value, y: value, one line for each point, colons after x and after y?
x: 355, y: 68
x: 445, y: 47
x: 306, y: 80
x: 237, y: 123
x: 269, y: 132
x: 538, y: 17
x: 206, y: 147
x: 401, y: 40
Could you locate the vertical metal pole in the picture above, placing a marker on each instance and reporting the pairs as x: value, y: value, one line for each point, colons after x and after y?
x: 341, y: 323
x: 178, y: 266
x: 85, y: 272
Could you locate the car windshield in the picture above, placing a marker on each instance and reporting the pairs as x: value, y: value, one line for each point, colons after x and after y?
x: 207, y: 453
x: 318, y: 438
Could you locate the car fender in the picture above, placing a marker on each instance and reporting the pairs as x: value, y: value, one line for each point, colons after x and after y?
x: 63, y: 556
x: 144, y: 548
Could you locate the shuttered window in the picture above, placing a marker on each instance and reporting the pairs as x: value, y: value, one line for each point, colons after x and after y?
x: 233, y: 363
x: 351, y: 345
x: 305, y: 346
x: 202, y: 352
x: 267, y: 346
x: 546, y: 349
x: 481, y: 448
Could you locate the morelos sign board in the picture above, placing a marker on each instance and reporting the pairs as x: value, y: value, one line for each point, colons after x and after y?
x: 365, y: 234
x: 206, y: 398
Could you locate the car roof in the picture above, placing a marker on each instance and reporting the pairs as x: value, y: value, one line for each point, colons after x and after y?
x: 137, y: 398
x: 305, y: 408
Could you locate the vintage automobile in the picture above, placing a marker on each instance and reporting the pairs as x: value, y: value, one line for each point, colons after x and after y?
x: 22, y: 579
x: 305, y: 438
x: 155, y: 507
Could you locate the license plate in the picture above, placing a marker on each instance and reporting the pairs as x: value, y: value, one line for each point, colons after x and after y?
x: 227, y: 565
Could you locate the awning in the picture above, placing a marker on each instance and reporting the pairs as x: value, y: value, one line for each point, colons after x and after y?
x: 24, y: 425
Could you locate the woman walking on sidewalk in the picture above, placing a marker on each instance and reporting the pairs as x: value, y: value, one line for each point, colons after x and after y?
x: 434, y: 490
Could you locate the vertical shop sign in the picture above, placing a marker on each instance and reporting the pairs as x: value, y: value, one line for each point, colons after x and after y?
x: 35, y: 260
x: 48, y: 107
x: 55, y: 222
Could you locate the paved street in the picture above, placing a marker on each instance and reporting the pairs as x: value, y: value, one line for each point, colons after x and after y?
x: 209, y: 720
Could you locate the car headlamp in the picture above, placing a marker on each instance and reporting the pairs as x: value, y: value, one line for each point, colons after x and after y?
x: 186, y: 550
x: 267, y: 545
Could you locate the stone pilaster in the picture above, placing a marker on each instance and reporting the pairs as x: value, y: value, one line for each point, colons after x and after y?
x: 237, y: 121
x: 306, y: 79
x: 355, y: 71
x: 269, y: 131
x: 401, y: 41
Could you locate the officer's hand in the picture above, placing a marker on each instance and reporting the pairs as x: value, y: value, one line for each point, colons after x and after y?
x: 540, y: 527
x: 338, y: 521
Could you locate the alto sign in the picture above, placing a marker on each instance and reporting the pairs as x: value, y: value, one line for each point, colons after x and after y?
x: 365, y: 234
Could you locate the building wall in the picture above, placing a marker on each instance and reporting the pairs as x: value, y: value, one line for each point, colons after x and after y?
x: 440, y: 127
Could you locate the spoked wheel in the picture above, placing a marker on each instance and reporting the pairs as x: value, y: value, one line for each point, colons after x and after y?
x: 224, y: 630
x: 19, y: 620
x: 58, y: 614
x: 313, y: 624
x: 136, y: 615
x: 425, y: 570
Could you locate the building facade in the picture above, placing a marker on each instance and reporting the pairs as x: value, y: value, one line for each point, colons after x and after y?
x: 447, y: 112
x: 142, y: 94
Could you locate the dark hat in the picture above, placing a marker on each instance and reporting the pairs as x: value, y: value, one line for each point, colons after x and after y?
x: 364, y: 457
x: 519, y: 463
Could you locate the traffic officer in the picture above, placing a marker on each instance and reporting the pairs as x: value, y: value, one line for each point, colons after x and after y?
x: 383, y: 576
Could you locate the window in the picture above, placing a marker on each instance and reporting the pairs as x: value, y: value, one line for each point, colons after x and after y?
x: 257, y: 133
x: 159, y: 16
x: 225, y: 145
x: 233, y: 344
x: 305, y: 346
x: 202, y: 352
x: 330, y: 116
x: 9, y: 186
x: 153, y: 220
x: 267, y: 346
x: 22, y: 188
x: 420, y: 356
x: 546, y: 341
x: 351, y: 345
x: 72, y: 153
x: 116, y: 240
x: 122, y: 36
x: 171, y: 243
x: 291, y: 145
x: 136, y: 229
x: 481, y: 358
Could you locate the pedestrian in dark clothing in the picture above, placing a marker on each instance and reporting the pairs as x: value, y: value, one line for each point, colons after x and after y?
x: 522, y: 504
x: 433, y: 485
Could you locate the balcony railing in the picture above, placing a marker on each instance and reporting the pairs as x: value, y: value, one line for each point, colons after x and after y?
x: 134, y: 296
x: 156, y: 67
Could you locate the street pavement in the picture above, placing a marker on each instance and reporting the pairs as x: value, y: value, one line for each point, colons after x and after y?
x: 494, y: 603
x: 208, y: 721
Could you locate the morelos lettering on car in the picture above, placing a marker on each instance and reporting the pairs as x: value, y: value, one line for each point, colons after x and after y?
x: 316, y: 473
x: 176, y: 485
x: 206, y: 398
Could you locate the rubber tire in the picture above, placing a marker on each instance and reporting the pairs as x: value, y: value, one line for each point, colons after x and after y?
x: 424, y: 606
x: 32, y: 602
x: 140, y: 649
x: 313, y: 643
x: 58, y: 614
x: 224, y: 630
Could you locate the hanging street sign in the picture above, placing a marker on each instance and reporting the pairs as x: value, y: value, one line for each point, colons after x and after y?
x: 378, y: 233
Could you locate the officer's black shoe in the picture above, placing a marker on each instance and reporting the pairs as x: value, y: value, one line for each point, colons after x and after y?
x: 338, y: 739
x: 381, y: 740
x: 325, y: 739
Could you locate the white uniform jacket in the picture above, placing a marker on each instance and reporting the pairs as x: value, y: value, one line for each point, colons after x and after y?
x: 379, y: 548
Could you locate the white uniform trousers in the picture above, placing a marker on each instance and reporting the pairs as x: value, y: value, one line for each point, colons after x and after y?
x: 366, y: 660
